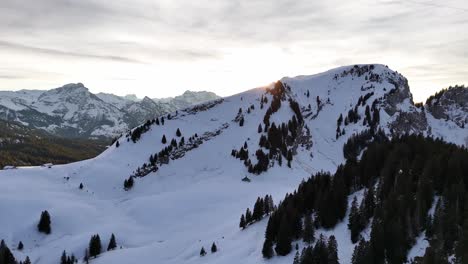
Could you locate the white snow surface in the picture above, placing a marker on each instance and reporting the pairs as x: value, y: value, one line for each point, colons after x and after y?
x: 191, y: 202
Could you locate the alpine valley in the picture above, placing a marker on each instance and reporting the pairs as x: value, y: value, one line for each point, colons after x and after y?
x: 337, y: 167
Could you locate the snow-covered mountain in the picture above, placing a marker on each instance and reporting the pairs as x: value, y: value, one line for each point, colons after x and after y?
x: 188, y: 195
x: 73, y: 111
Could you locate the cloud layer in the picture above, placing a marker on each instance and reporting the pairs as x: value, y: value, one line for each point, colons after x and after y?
x: 160, y: 48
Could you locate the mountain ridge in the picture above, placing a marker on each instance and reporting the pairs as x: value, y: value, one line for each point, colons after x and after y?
x: 73, y: 111
x: 186, y: 169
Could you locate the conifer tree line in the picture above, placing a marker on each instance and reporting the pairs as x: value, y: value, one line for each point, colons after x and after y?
x: 402, y: 179
x: 136, y: 133
x: 262, y: 208
x: 163, y: 156
x: 274, y: 144
x: 293, y: 220
x: 358, y: 142
x: 325, y: 251
x: 371, y: 116
x: 94, y: 249
x: 64, y: 259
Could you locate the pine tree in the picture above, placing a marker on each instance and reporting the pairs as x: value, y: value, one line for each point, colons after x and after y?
x: 112, y: 243
x: 164, y: 140
x: 462, y: 246
x: 241, y: 122
x: 202, y: 252
x: 361, y: 253
x: 86, y: 256
x: 63, y: 259
x: 27, y: 260
x: 267, y: 250
x: 20, y: 246
x: 297, y: 259
x: 354, y: 220
x: 309, y: 230
x: 260, y: 129
x: 214, y: 248
x: 6, y: 257
x: 242, y: 222
x: 81, y: 186
x: 178, y: 133
x: 283, y: 241
x: 248, y: 216
x: 44, y: 223
x: 332, y: 250
x: 95, y: 246
x: 266, y: 205
x: 128, y: 183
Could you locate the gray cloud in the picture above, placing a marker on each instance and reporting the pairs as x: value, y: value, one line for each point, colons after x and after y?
x: 327, y: 33
x: 17, y: 46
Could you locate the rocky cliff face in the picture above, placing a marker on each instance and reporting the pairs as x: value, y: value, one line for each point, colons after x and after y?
x: 450, y: 104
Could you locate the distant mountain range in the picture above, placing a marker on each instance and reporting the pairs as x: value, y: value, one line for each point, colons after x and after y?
x: 73, y: 111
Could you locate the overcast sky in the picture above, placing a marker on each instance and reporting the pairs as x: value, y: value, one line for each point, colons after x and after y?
x: 161, y: 48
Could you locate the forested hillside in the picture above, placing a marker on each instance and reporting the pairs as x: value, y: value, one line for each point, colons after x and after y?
x: 413, y: 187
x: 23, y: 146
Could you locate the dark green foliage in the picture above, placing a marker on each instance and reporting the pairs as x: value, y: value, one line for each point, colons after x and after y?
x: 214, y: 248
x: 262, y: 207
x: 178, y: 133
x: 462, y: 246
x: 242, y: 223
x: 136, y: 133
x: 400, y: 177
x: 6, y: 257
x: 297, y: 259
x: 164, y: 140
x: 117, y: 144
x: 267, y: 250
x: 86, y: 256
x: 355, y: 224
x: 20, y: 246
x: 202, y: 252
x: 81, y: 186
x: 128, y: 183
x: 332, y: 250
x: 241, y: 121
x: 362, y: 253
x: 356, y: 143
x: 27, y: 260
x: 95, y: 247
x: 64, y: 259
x: 24, y: 146
x: 284, y: 238
x: 44, y: 223
x: 309, y: 229
x: 112, y: 243
x: 322, y: 253
x: 248, y: 216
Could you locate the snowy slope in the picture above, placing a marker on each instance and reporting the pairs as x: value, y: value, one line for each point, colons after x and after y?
x: 198, y: 198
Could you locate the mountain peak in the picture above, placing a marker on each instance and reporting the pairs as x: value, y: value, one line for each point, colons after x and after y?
x: 72, y: 88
